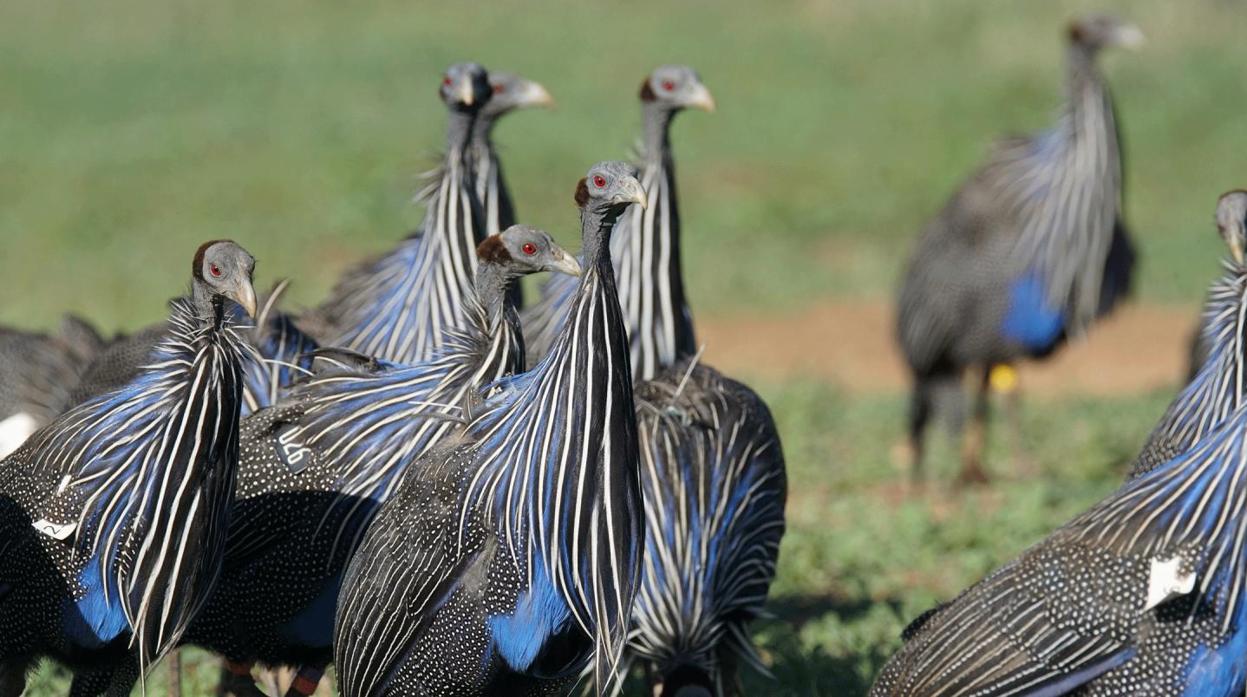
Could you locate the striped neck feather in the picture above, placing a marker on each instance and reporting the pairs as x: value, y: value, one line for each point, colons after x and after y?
x: 556, y: 467
x: 146, y: 475
x: 1216, y: 392
x: 400, y: 308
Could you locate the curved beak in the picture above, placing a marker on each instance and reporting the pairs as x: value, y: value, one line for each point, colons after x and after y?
x: 1129, y: 36
x: 701, y: 98
x: 466, y: 94
x: 244, y: 295
x: 565, y: 263
x: 536, y: 95
x: 1236, y: 245
x: 631, y: 191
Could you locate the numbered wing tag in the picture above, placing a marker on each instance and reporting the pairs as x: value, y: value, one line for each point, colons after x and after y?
x: 291, y: 450
x: 56, y: 531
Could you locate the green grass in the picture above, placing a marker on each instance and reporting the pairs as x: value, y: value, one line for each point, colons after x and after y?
x: 131, y: 133
x: 862, y: 556
x: 298, y: 128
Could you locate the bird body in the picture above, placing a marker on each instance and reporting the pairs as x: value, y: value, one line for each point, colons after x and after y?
x: 113, y: 517
x: 399, y: 306
x: 1140, y: 595
x: 508, y: 559
x: 36, y: 374
x: 1028, y: 252
x: 316, y: 467
x: 712, y: 466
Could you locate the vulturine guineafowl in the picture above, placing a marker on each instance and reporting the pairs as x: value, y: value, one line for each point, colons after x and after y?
x: 1029, y: 251
x: 712, y: 473
x: 1215, y: 391
x: 400, y: 306
x: 507, y: 561
x: 113, y: 517
x: 316, y: 467
x: 651, y: 297
x: 510, y: 92
x: 37, y: 374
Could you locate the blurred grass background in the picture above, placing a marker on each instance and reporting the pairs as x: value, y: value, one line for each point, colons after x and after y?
x: 133, y: 131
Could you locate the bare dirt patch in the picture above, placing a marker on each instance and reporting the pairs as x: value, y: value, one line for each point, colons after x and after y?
x: 849, y: 342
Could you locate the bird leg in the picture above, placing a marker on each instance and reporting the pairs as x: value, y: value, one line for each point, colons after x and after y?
x: 175, y: 674
x: 1004, y: 380
x: 236, y: 680
x: 306, y: 681
x: 972, y: 471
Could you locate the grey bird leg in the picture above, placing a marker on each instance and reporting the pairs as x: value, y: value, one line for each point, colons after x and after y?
x: 175, y: 673
x: 1022, y: 462
x: 919, y: 414
x: 972, y: 471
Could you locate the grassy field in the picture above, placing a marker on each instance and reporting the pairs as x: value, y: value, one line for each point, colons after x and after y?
x: 131, y: 134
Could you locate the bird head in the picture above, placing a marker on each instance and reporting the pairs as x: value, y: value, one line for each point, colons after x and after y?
x: 223, y: 269
x: 1232, y: 222
x: 1098, y: 31
x: 465, y: 86
x: 609, y: 185
x: 511, y: 91
x: 523, y: 249
x: 676, y: 87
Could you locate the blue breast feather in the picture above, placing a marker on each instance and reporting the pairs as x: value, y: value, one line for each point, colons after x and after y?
x: 1030, y: 320
x: 540, y: 613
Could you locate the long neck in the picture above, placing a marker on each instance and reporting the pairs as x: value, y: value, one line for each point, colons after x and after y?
x: 1217, y: 390
x: 1089, y: 120
x: 491, y: 187
x: 564, y: 436
x: 646, y: 252
x: 503, y: 345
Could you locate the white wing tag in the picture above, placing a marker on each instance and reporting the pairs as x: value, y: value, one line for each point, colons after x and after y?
x: 1166, y: 580
x: 56, y: 531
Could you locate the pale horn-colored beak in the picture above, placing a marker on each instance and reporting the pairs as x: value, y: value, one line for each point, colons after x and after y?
x: 536, y: 95
x: 466, y: 94
x: 565, y: 263
x: 631, y: 191
x: 1236, y: 246
x: 701, y: 98
x: 244, y: 295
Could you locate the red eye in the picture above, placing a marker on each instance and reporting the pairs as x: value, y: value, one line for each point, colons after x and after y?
x: 529, y: 248
x: 446, y: 81
x: 498, y: 89
x: 599, y: 181
x: 668, y: 85
x: 214, y: 270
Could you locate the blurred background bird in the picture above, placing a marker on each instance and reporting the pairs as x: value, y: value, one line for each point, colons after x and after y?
x: 1143, y: 592
x: 37, y: 375
x: 1029, y: 252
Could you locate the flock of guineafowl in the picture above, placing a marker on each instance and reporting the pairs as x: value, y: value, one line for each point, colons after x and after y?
x: 443, y: 488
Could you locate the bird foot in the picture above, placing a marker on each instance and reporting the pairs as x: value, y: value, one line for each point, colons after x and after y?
x: 972, y: 475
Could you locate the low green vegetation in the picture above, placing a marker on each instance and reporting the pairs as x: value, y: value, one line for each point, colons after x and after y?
x: 131, y: 134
